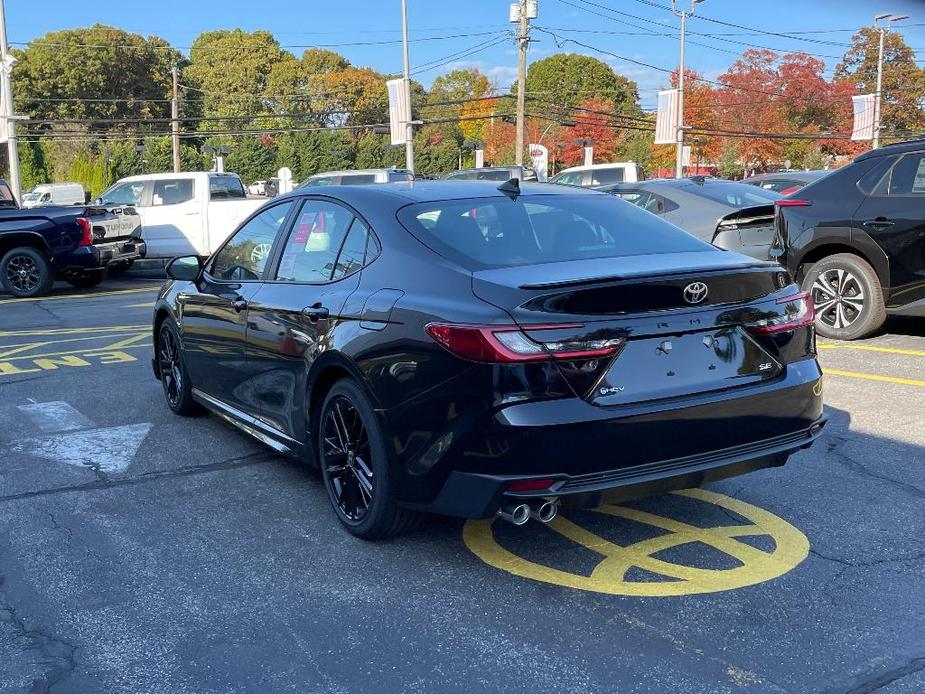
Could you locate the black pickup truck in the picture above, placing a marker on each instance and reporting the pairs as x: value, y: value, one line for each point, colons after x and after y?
x: 77, y: 244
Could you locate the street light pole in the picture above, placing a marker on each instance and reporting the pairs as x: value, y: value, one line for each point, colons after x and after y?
x: 523, y: 41
x: 679, y: 153
x: 409, y: 133
x: 6, y: 88
x: 890, y: 18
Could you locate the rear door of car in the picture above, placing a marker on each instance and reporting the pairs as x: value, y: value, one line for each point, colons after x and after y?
x: 893, y: 215
x: 313, y: 272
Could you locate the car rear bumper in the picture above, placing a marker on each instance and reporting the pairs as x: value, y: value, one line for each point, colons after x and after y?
x: 595, y: 453
x: 101, y: 255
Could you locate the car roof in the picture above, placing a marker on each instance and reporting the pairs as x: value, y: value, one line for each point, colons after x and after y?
x: 344, y: 172
x: 409, y: 192
x: 182, y: 174
x: 676, y: 183
x: 597, y: 167
x: 895, y: 148
x: 811, y: 175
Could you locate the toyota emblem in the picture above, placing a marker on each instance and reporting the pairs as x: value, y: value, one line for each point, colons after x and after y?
x: 695, y: 292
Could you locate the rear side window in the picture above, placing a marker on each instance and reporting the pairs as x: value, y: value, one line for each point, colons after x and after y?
x: 357, y: 179
x: 601, y: 177
x: 482, y: 233
x: 908, y: 176
x: 656, y: 204
x: 128, y: 193
x: 6, y: 196
x: 172, y: 191
x: 353, y: 253
x: 314, y: 242
x: 224, y: 187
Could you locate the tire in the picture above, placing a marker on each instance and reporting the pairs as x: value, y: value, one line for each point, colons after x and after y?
x: 86, y: 280
x: 25, y: 272
x: 355, y: 466
x: 178, y: 391
x: 848, y: 297
x: 117, y: 269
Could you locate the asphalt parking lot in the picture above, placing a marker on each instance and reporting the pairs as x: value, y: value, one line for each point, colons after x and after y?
x: 142, y: 552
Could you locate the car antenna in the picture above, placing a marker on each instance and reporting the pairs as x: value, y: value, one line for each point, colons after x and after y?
x: 511, y: 187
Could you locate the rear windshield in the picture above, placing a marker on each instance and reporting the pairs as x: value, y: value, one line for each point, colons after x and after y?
x: 736, y: 195
x: 223, y: 187
x: 482, y: 233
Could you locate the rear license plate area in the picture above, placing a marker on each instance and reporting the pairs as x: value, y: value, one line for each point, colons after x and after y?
x: 679, y: 365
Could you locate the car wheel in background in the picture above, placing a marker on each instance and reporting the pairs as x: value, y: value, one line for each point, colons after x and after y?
x: 174, y: 378
x: 85, y: 280
x: 25, y: 272
x: 354, y: 465
x: 848, y: 297
x: 117, y: 269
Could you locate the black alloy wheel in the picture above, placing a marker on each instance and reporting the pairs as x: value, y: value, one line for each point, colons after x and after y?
x: 347, y: 459
x: 354, y: 465
x: 174, y: 378
x: 25, y: 272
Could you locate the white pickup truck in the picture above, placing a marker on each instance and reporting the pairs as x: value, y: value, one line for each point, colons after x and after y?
x: 188, y: 213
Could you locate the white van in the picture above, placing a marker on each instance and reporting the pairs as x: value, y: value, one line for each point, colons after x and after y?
x: 188, y: 213
x: 55, y: 194
x: 600, y: 174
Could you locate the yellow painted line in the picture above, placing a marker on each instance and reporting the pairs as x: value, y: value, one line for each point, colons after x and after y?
x: 874, y: 348
x: 74, y: 331
x: 7, y: 350
x: 875, y: 377
x: 150, y: 304
x: 86, y: 295
x: 126, y: 343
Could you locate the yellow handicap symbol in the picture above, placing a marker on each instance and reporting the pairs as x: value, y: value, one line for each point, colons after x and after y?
x: 610, y: 574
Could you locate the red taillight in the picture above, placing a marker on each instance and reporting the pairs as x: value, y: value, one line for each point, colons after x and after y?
x: 787, y: 202
x: 531, y: 485
x: 86, y: 231
x: 496, y: 344
x: 800, y: 312
x: 790, y: 190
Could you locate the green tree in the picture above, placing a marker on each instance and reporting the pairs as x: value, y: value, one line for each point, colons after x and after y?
x: 32, y: 167
x: 252, y: 158
x: 458, y: 85
x: 374, y: 152
x: 567, y: 79
x: 728, y: 165
x: 229, y: 71
x: 903, y: 79
x: 319, y: 61
x: 64, y: 74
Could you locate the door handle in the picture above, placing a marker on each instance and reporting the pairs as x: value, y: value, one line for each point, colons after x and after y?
x: 316, y: 312
x: 239, y: 304
x: 879, y: 223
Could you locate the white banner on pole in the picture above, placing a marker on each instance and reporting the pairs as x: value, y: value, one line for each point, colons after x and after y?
x: 666, y: 120
x: 479, y: 158
x: 589, y: 156
x: 539, y: 159
x: 863, y: 117
x: 399, y: 110
x: 4, y: 122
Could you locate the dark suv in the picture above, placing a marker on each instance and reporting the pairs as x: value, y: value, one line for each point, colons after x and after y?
x: 855, y: 239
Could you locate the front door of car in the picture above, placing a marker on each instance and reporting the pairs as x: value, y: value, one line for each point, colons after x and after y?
x: 291, y: 320
x: 213, y: 319
x: 172, y: 219
x: 893, y: 215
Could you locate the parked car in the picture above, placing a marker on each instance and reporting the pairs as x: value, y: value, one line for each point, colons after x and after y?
x: 600, y: 174
x: 257, y: 188
x: 55, y: 194
x: 76, y: 243
x: 856, y: 240
x: 492, y: 173
x: 357, y: 177
x: 785, y: 182
x: 480, y: 349
x: 183, y: 213
x: 727, y: 214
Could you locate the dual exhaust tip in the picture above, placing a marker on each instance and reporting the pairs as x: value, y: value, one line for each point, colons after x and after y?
x: 518, y: 513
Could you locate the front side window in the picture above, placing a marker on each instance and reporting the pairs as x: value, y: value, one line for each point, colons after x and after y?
x: 569, y: 179
x: 128, y: 193
x: 225, y: 187
x: 245, y: 255
x: 498, y: 232
x: 314, y: 242
x: 172, y: 191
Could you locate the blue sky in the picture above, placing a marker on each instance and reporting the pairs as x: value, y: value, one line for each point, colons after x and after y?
x: 301, y: 24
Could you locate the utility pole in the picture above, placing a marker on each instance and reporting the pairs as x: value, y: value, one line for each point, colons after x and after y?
x: 6, y: 88
x: 523, y: 40
x: 175, y: 118
x: 409, y: 141
x: 890, y: 18
x: 679, y: 153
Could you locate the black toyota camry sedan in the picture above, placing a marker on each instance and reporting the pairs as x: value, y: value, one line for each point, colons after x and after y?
x: 475, y: 349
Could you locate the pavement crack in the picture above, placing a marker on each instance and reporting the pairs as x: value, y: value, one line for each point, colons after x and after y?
x: 877, y: 682
x: 258, y: 458
x: 835, y: 445
x: 57, y: 526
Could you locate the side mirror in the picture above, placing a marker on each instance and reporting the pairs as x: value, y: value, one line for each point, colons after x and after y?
x: 187, y: 268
